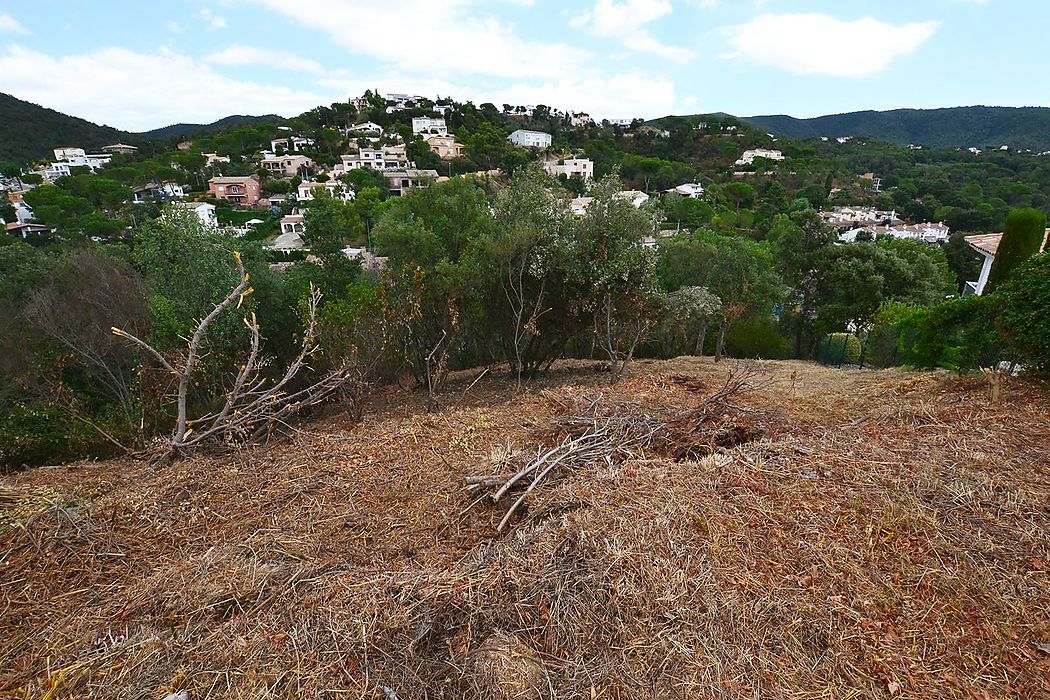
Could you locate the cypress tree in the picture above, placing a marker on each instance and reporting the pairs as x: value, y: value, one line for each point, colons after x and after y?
x: 1022, y: 238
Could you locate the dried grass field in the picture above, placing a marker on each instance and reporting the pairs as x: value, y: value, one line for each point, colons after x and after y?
x: 825, y: 534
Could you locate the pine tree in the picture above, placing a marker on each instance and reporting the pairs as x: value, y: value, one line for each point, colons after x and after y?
x: 1022, y: 238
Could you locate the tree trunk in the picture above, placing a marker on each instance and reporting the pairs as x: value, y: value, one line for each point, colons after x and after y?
x: 720, y: 347
x: 700, y: 340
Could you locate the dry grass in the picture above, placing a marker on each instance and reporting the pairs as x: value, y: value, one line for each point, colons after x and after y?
x: 878, y: 534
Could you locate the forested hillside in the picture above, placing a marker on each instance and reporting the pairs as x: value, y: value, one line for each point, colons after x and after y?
x: 28, y: 131
x: 959, y: 127
x: 184, y: 130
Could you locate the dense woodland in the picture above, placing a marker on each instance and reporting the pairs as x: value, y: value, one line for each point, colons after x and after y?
x: 494, y: 269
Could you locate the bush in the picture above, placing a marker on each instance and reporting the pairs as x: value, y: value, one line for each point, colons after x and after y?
x: 1025, y: 317
x: 839, y: 349
x: 960, y: 335
x: 757, y: 339
x: 35, y: 435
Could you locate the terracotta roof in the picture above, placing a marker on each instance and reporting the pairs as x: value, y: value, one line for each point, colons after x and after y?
x: 988, y: 243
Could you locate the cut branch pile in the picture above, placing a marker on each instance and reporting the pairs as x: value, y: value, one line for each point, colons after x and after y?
x: 608, y: 432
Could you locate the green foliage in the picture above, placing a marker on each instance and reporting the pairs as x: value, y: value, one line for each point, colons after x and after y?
x: 757, y: 339
x: 1022, y: 238
x: 1025, y: 314
x: 32, y: 435
x: 959, y: 334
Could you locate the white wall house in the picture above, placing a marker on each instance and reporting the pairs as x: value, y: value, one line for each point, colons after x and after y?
x: 69, y: 157
x: 429, y: 127
x: 383, y: 158
x: 926, y: 233
x: 583, y: 167
x: 530, y: 139
x: 204, y: 211
x: 749, y: 156
x: 337, y: 189
x: 157, y: 192
x: 292, y: 144
x: 366, y: 128
x: 692, y: 190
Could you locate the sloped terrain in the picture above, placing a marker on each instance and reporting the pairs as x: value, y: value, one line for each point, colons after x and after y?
x: 862, y: 534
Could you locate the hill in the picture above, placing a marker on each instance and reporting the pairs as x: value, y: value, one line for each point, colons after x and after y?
x: 955, y: 127
x: 29, y: 132
x: 851, y: 534
x: 185, y: 130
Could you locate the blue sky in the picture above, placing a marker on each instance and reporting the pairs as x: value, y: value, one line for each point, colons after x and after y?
x: 140, y: 65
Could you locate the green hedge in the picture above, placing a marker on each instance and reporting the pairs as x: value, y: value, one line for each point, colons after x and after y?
x: 1025, y: 317
x: 756, y: 339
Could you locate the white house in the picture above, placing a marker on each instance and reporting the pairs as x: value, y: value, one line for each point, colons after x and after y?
x: 926, y: 233
x: 622, y: 122
x: 157, y: 192
x: 291, y: 144
x: 429, y: 127
x: 692, y: 190
x: 337, y: 189
x: 383, y: 158
x: 120, y: 148
x: 635, y: 197
x: 530, y: 139
x: 583, y: 167
x: 69, y: 157
x: 987, y: 245
x: 581, y: 119
x: 366, y: 128
x: 204, y: 211
x: 749, y: 156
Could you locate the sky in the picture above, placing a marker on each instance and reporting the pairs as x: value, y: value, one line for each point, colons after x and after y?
x: 141, y: 65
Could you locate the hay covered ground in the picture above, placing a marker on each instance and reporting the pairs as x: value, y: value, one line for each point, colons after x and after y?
x: 864, y: 534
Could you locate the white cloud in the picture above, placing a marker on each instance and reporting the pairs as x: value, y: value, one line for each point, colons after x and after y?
x: 433, y: 39
x: 818, y: 44
x: 211, y: 20
x: 139, y: 91
x: 12, y: 25
x: 625, y: 21
x: 240, y: 55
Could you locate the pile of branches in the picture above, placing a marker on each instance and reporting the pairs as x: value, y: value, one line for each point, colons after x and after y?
x: 599, y: 431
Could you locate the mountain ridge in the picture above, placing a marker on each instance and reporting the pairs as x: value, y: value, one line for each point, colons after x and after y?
x: 946, y: 127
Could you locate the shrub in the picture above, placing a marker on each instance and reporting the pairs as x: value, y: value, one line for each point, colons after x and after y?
x: 1025, y: 317
x: 34, y: 435
x: 959, y: 334
x: 839, y: 349
x: 757, y: 339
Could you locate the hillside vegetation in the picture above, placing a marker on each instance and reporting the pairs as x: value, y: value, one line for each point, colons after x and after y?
x: 187, y: 130
x: 956, y: 127
x: 29, y: 132
x: 849, y: 534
